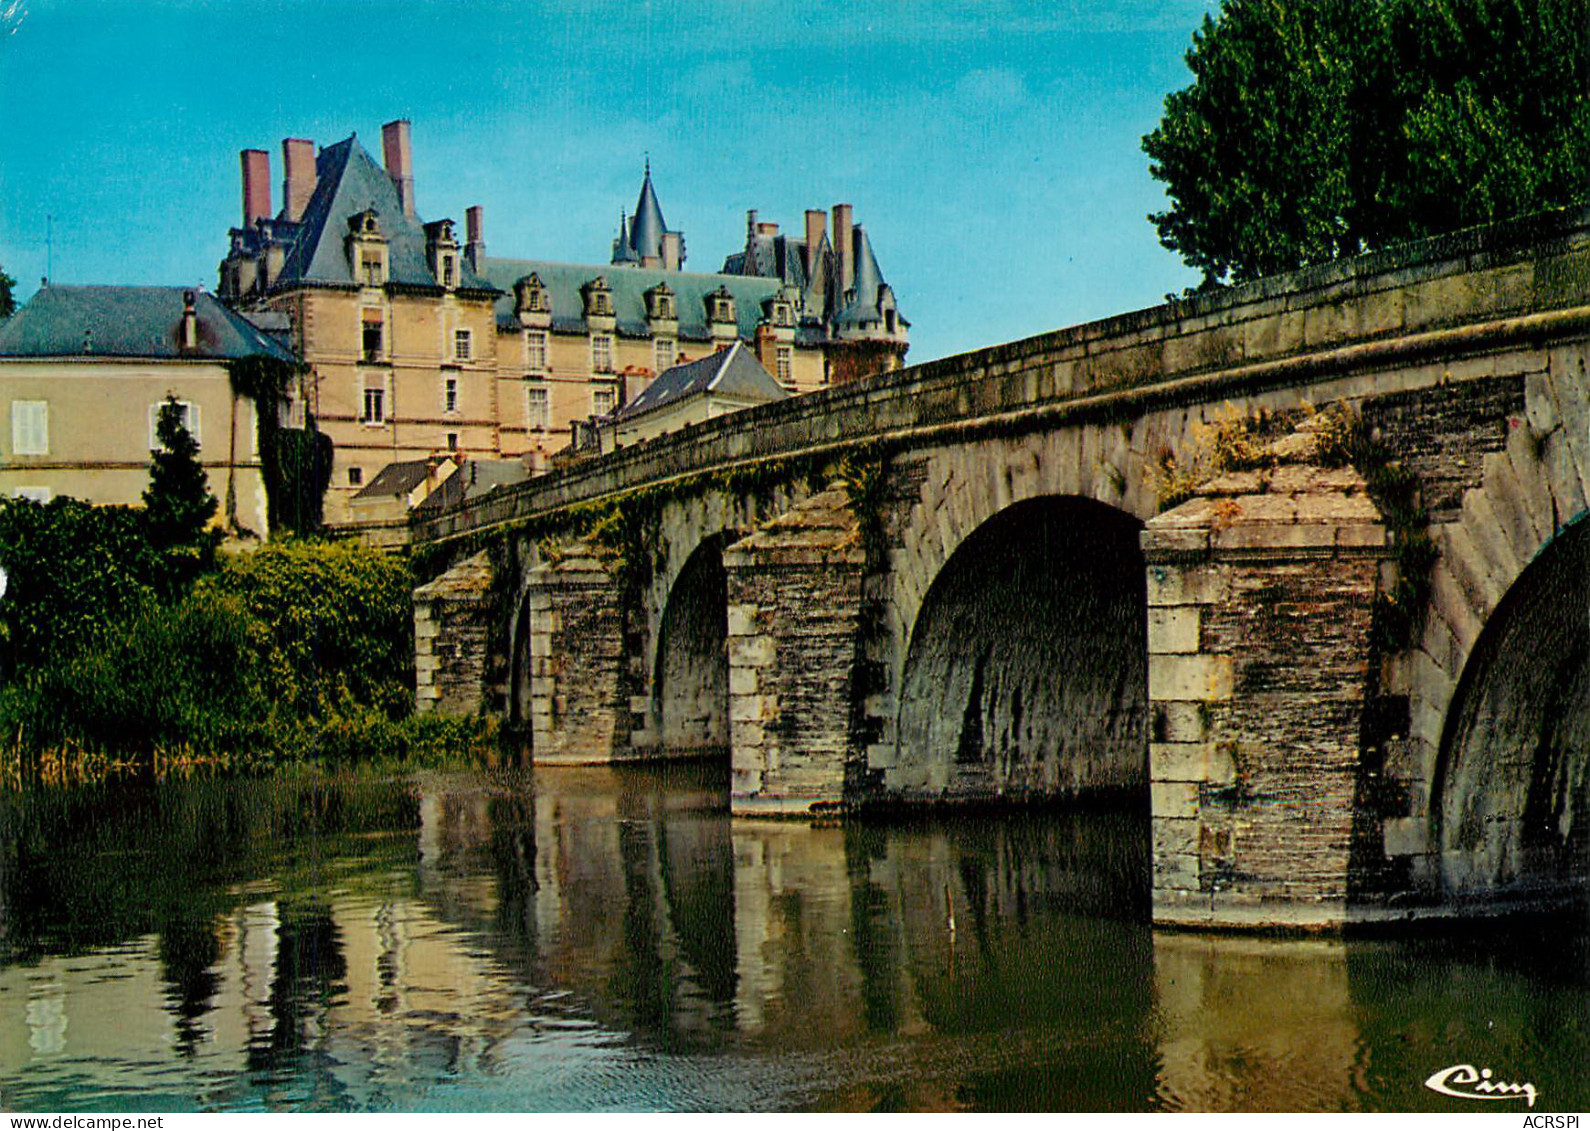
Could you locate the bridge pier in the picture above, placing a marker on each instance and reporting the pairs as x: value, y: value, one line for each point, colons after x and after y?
x: 579, y: 708
x: 794, y: 600
x: 1260, y: 595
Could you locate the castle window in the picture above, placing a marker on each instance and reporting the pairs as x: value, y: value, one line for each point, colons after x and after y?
x: 461, y: 345
x: 30, y: 428
x: 447, y: 270
x: 664, y: 351
x: 189, y: 420
x: 450, y: 395
x: 602, y: 353
x: 603, y: 399
x: 539, y: 406
x: 374, y: 406
x: 452, y: 441
x: 372, y: 342
x: 535, y: 349
x: 785, y: 357
x: 888, y: 320
x: 355, y: 476
x: 370, y: 268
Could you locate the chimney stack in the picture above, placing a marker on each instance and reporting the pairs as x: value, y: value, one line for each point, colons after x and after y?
x: 256, y: 186
x: 844, y: 248
x: 190, y: 322
x: 399, y: 157
x: 673, y: 254
x: 298, y: 177
x: 474, y: 237
x: 816, y: 221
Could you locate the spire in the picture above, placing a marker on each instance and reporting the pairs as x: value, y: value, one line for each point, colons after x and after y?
x: 646, y: 233
x: 623, y: 252
x: 869, y: 280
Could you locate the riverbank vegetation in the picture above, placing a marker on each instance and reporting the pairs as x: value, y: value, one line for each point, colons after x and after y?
x: 129, y: 641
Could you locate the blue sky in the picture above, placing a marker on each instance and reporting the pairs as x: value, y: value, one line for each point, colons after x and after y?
x: 991, y: 149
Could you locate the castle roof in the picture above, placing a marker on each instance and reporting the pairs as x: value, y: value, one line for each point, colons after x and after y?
x: 348, y: 182
x: 628, y: 287
x: 646, y: 231
x: 142, y: 322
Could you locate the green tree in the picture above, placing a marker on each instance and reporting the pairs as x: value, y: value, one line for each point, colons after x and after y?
x: 1319, y: 128
x: 178, y: 504
x: 8, y: 303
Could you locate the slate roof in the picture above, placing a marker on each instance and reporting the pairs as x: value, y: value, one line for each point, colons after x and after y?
x: 65, y: 321
x: 646, y: 231
x: 733, y: 372
x: 629, y: 286
x: 348, y: 181
x: 475, y: 478
x: 863, y: 306
x: 395, y: 479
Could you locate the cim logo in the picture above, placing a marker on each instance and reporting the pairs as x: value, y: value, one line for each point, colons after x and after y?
x: 1469, y: 1083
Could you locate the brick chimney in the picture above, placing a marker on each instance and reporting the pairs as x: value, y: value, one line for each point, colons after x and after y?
x: 298, y: 176
x: 475, y: 237
x: 842, y: 245
x: 816, y: 221
x: 256, y: 186
x: 398, y: 154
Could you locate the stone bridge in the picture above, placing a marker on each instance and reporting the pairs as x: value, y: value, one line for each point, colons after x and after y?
x: 1296, y: 569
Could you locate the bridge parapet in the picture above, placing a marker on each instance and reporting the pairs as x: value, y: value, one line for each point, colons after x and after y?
x: 1422, y: 300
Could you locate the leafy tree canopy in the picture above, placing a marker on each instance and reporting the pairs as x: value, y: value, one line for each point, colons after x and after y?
x: 1319, y: 128
x: 8, y: 303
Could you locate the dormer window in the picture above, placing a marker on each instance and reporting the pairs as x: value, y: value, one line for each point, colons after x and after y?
x: 598, y: 299
x: 441, y: 252
x: 660, y: 304
x: 365, y: 223
x: 530, y: 296
x: 720, y: 306
x: 372, y: 271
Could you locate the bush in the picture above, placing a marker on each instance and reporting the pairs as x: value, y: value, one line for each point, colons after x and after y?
x: 338, y: 621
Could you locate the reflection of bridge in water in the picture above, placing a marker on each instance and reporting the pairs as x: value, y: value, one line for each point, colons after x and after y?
x: 996, y: 607
x: 613, y: 938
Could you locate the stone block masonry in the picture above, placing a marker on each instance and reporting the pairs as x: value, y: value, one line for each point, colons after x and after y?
x: 794, y: 590
x: 1260, y: 594
x: 453, y: 621
x: 579, y: 698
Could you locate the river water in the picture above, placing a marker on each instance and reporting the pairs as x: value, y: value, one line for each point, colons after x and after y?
x: 579, y: 939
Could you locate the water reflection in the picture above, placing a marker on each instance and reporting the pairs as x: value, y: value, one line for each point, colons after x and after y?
x: 611, y: 939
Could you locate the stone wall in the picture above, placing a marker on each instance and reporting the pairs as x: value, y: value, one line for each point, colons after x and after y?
x: 454, y: 618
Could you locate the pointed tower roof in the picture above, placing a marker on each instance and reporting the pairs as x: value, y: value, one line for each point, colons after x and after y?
x: 623, y: 252
x: 646, y: 233
x: 864, y: 306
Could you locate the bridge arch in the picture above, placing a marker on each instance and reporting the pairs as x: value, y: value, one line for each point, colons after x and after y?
x: 1510, y: 806
x: 690, y: 674
x: 1026, y: 670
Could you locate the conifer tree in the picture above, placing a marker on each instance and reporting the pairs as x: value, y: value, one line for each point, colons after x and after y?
x: 178, y: 504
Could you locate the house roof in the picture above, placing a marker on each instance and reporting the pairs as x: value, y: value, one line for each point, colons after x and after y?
x: 395, y: 479
x: 66, y: 321
x: 733, y: 372
x: 476, y: 477
x: 629, y: 286
x: 348, y: 182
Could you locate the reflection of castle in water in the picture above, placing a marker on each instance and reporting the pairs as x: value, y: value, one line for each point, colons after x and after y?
x: 513, y: 927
